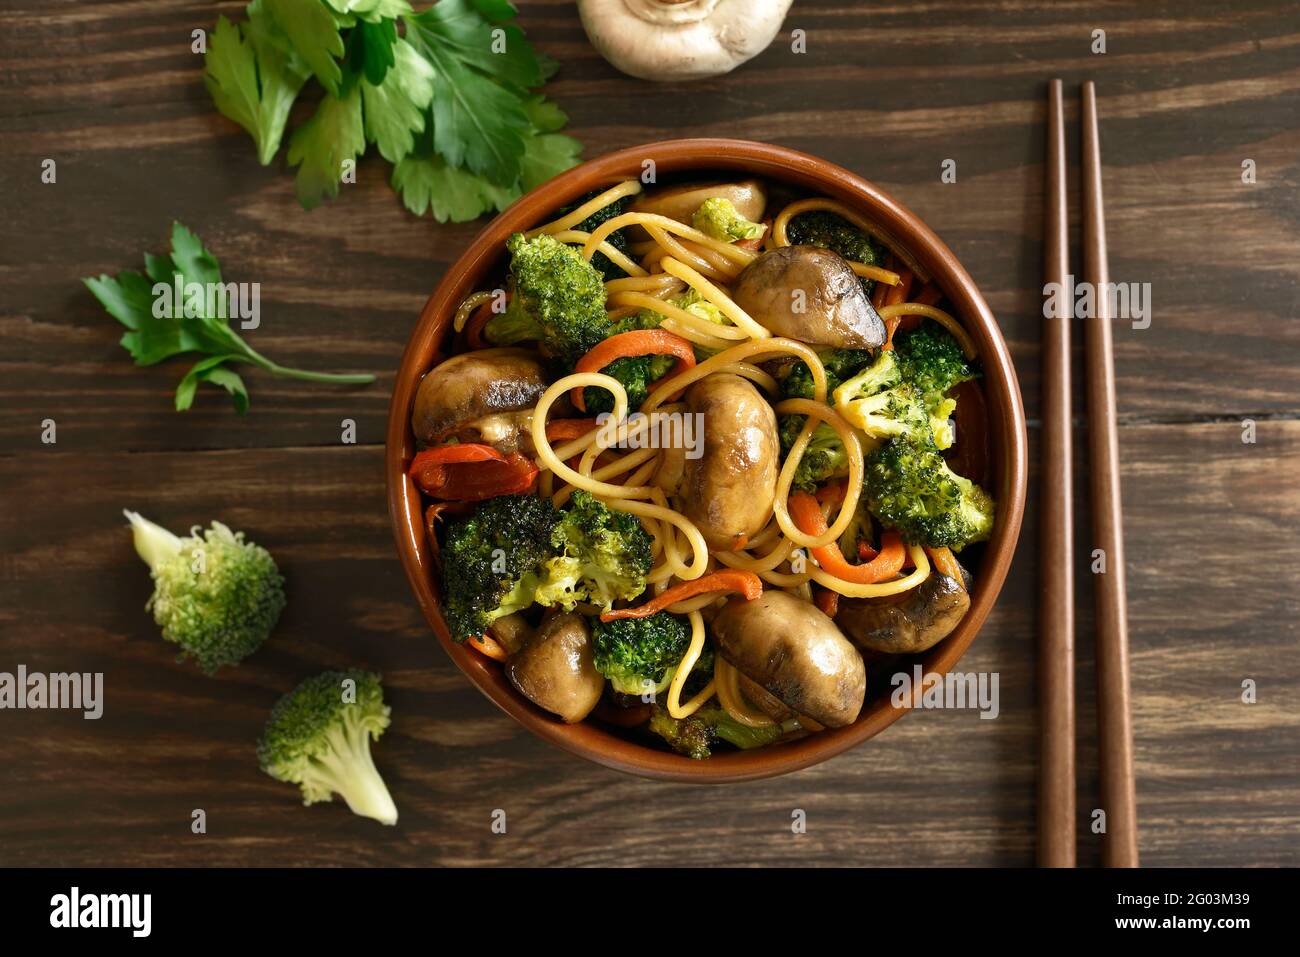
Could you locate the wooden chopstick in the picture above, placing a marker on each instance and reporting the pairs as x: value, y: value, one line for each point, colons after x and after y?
x: 1056, y: 787
x: 1114, y: 723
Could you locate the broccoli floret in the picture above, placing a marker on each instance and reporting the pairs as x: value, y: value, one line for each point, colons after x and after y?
x: 318, y: 737
x: 840, y: 364
x: 215, y: 595
x: 719, y: 218
x: 600, y: 555
x: 909, y: 487
x: 492, y: 560
x: 821, y: 227
x: 931, y: 360
x: 558, y: 300
x: 617, y: 239
x: 879, y: 402
x: 824, y: 459
x: 640, y: 655
x: 637, y: 373
x: 694, y: 736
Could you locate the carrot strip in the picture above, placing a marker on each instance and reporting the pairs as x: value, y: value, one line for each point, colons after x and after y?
x: 886, y: 565
x: 827, y: 601
x: 639, y: 342
x: 729, y: 579
x: 946, y: 563
x: 563, y: 430
x: 929, y: 295
x: 893, y: 297
x: 474, y: 328
x: 488, y: 646
x: 832, y: 492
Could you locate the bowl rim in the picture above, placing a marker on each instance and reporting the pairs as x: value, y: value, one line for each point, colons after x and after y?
x: 1006, y: 420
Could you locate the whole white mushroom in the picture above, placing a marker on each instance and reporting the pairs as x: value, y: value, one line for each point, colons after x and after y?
x: 680, y: 39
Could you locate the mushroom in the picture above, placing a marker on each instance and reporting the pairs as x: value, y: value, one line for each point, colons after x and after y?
x: 810, y: 294
x: 905, y: 624
x: 729, y: 489
x: 485, y: 395
x: 680, y: 39
x: 793, y: 651
x: 555, y: 670
x: 681, y: 202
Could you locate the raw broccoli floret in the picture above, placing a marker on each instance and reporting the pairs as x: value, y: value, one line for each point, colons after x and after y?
x: 909, y: 487
x: 821, y: 227
x: 640, y: 655
x: 617, y: 239
x: 600, y: 555
x: 492, y: 560
x: 840, y: 364
x: 318, y: 737
x: 719, y: 218
x: 694, y: 736
x: 558, y: 300
x: 215, y: 595
x: 824, y: 459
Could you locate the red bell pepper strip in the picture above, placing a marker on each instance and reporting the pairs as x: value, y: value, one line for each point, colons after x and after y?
x: 807, y: 514
x: 470, y: 472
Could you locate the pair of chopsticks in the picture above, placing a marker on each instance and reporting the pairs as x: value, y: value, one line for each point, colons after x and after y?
x: 1056, y: 797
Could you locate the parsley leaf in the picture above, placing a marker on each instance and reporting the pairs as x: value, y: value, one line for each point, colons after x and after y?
x: 447, y: 95
x: 395, y: 109
x: 313, y: 32
x: 318, y: 148
x: 188, y: 282
x: 252, y: 81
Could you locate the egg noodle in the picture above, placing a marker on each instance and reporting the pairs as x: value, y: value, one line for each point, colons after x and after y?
x: 675, y: 258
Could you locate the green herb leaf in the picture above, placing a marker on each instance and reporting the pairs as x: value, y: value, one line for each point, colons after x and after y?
x: 252, y: 81
x: 478, y: 122
x: 427, y: 183
x: 313, y: 31
x: 447, y: 98
x: 395, y: 110
x: 176, y: 309
x: 212, y: 370
x: 371, y: 11
x: 318, y: 148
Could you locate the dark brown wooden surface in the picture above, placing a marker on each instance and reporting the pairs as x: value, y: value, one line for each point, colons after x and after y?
x: 112, y: 93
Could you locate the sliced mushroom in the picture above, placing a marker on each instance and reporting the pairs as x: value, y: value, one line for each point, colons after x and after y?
x: 555, y: 670
x: 469, y: 394
x: 729, y: 489
x: 914, y: 621
x: 790, y: 649
x: 810, y: 294
x: 681, y: 202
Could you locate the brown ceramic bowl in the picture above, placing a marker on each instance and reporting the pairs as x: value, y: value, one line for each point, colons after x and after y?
x: 1006, y: 435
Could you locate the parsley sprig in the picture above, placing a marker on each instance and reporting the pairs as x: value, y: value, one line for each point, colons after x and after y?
x: 447, y: 95
x: 200, y: 324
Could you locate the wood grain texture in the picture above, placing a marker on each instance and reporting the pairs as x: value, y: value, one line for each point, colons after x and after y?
x: 111, y: 91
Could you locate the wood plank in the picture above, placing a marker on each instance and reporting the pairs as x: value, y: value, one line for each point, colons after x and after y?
x: 1217, y: 779
x: 1186, y: 96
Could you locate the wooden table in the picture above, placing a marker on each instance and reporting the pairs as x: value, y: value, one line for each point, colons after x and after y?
x: 113, y: 94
